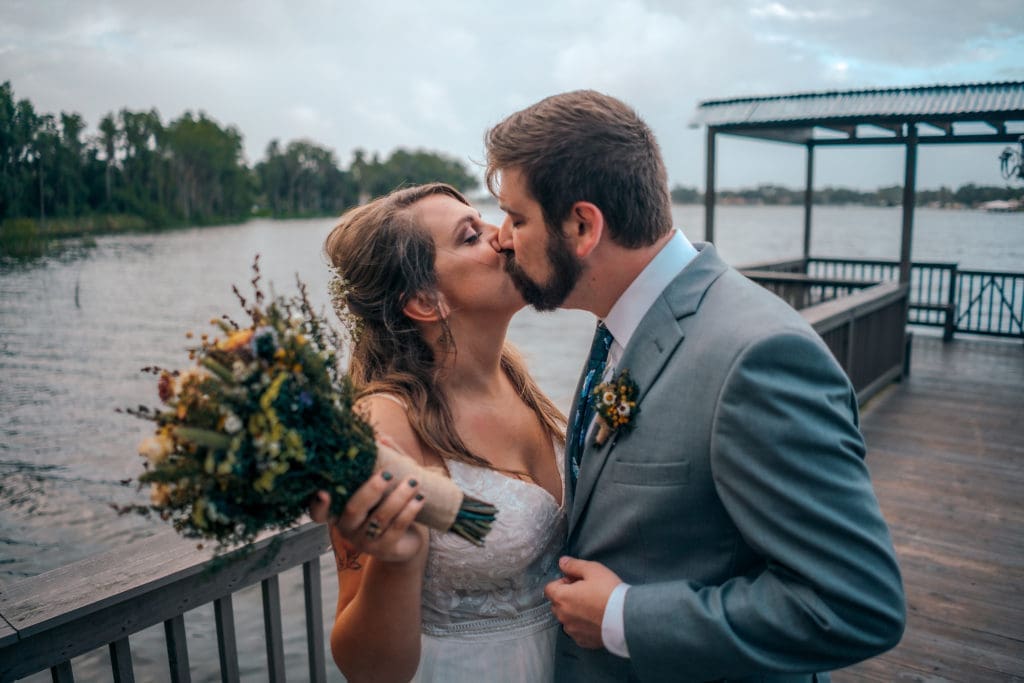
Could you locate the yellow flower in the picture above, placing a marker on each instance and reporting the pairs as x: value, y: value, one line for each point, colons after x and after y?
x: 227, y: 464
x: 199, y: 513
x: 265, y: 484
x: 160, y: 495
x: 156, y: 448
x: 235, y: 340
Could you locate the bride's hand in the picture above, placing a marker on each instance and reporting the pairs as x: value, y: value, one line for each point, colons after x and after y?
x: 378, y: 519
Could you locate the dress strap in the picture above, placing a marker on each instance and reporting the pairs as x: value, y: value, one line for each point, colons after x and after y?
x: 390, y: 397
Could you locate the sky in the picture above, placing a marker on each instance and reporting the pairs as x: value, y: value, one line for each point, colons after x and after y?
x: 382, y: 74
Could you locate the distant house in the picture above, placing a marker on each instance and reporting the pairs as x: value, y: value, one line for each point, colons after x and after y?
x: 1002, y: 205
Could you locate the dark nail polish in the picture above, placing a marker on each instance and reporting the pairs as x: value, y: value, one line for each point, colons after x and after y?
x: 419, y: 496
x: 386, y: 476
x: 413, y: 482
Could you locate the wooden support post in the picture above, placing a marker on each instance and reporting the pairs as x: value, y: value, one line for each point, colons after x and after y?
x: 909, y: 183
x: 808, y: 201
x: 709, y: 188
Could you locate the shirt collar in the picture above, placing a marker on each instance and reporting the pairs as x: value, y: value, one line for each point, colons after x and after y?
x: 625, y: 316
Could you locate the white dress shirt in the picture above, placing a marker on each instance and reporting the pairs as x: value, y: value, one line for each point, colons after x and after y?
x: 622, y: 321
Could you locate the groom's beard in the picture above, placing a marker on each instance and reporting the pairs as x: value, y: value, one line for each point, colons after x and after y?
x: 566, y: 269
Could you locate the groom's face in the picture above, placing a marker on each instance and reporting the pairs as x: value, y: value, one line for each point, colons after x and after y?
x: 542, y: 265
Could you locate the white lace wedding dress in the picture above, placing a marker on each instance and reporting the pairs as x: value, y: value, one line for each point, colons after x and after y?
x: 485, y: 617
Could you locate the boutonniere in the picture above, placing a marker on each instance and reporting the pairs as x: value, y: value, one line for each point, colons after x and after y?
x: 615, y: 404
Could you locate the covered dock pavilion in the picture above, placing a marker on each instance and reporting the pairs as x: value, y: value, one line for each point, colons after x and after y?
x: 907, y: 117
x: 945, y: 446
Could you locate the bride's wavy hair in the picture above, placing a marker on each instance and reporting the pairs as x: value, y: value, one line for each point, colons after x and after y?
x: 384, y: 258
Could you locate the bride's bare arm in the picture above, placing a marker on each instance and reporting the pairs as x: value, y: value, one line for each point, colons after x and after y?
x: 376, y: 634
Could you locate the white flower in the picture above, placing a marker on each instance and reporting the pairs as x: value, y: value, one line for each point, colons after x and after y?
x: 622, y: 409
x: 213, y: 513
x: 608, y: 397
x: 194, y: 374
x: 232, y: 424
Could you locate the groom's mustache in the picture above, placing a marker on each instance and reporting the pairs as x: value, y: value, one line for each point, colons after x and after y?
x: 510, y: 260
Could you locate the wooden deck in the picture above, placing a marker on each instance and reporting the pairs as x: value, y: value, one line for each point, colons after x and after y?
x: 946, y: 452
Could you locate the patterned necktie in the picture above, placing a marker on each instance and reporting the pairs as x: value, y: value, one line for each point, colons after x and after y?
x: 584, y: 411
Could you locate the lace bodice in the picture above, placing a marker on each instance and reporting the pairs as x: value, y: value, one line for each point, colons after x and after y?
x: 507, y: 576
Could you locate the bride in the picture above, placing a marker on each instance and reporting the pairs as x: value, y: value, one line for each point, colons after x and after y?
x: 424, y: 281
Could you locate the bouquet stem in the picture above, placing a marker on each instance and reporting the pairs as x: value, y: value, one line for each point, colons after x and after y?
x: 445, y: 506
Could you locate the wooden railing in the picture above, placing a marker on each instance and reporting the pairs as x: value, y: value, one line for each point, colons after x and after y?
x: 101, y: 601
x: 866, y: 332
x: 801, y: 291
x: 985, y: 302
x: 990, y: 302
x: 862, y: 323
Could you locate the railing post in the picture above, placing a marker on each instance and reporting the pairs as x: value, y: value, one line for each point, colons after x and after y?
x: 227, y: 648
x: 314, y: 620
x: 273, y: 630
x: 177, y: 649
x: 62, y: 673
x: 951, y: 307
x: 121, y: 661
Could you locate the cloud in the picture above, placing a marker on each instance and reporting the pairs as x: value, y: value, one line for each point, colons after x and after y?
x: 383, y: 74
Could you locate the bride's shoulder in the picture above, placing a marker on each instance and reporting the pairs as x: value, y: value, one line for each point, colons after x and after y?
x: 389, y: 416
x: 380, y: 406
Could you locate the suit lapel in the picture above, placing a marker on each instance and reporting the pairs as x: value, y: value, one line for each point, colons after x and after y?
x: 652, y: 344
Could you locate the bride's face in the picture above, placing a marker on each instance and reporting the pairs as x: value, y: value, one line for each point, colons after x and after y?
x: 470, y: 268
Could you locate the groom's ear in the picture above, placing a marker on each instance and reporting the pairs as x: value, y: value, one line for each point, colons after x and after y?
x: 584, y: 227
x: 425, y: 308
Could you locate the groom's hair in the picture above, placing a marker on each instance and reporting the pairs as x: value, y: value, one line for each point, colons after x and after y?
x: 586, y: 146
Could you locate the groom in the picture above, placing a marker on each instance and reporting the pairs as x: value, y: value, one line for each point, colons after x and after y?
x: 729, y: 530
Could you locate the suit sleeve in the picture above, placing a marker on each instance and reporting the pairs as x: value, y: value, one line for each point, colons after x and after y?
x: 787, y: 460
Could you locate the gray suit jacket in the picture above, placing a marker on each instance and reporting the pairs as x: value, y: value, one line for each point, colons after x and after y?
x: 739, y: 509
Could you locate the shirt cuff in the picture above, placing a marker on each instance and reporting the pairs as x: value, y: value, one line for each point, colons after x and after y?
x: 613, y: 625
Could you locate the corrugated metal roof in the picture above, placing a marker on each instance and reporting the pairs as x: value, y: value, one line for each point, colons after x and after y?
x: 970, y: 101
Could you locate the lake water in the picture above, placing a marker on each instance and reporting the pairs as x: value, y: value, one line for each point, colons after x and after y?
x: 76, y: 329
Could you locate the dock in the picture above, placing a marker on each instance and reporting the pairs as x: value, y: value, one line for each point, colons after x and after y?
x: 945, y: 450
x: 946, y: 454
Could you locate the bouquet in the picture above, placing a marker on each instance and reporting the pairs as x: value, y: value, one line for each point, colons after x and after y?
x: 264, y: 419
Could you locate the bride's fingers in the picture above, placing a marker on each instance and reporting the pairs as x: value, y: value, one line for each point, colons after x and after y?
x: 402, y: 540
x: 383, y: 517
x: 320, y: 507
x: 366, y: 498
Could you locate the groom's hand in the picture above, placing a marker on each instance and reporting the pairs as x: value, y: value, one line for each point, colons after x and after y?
x: 578, y: 599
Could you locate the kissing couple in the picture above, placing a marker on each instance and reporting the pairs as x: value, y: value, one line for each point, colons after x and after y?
x: 705, y: 511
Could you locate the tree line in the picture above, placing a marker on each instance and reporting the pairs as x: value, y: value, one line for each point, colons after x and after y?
x: 189, y: 170
x: 968, y: 195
